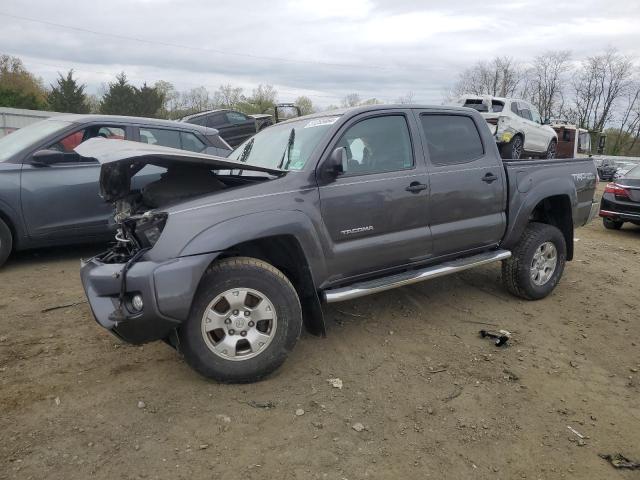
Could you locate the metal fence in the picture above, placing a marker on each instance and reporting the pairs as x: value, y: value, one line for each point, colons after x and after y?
x: 14, y: 118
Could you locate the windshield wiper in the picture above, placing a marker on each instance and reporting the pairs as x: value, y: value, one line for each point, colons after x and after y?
x: 287, y: 151
x: 246, y: 151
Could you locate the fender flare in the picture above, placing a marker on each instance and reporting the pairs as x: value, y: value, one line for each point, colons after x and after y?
x: 255, y: 226
x: 522, y: 205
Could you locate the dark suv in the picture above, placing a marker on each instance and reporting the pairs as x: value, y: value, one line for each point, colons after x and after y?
x: 235, y: 127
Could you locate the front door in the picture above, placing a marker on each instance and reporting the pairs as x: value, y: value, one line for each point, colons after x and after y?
x: 63, y: 200
x: 467, y: 197
x: 375, y: 211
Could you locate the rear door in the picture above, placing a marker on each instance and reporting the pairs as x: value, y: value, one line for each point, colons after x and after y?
x: 63, y: 200
x: 375, y: 212
x: 467, y: 184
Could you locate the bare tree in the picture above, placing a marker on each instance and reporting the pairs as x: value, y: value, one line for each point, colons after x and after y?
x: 262, y: 100
x: 351, y: 100
x: 228, y: 96
x: 406, y: 99
x: 545, y: 81
x: 628, y: 132
x: 500, y: 77
x: 601, y: 81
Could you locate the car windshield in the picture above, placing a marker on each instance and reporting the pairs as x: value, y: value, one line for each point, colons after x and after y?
x: 287, y: 146
x: 22, y: 138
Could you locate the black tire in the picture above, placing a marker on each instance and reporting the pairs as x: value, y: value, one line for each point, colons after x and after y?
x: 517, y: 270
x: 611, y: 224
x: 6, y: 242
x: 551, y: 149
x: 248, y: 274
x: 514, y: 149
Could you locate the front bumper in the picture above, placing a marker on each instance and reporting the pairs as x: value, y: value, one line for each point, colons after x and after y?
x: 167, y: 289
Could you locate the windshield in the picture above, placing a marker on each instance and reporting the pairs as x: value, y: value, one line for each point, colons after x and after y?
x: 22, y: 138
x: 287, y: 146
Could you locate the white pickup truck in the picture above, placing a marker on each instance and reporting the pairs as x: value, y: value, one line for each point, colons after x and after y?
x: 515, y: 124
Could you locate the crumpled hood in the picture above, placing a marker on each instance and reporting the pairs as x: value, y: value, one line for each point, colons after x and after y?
x: 122, y: 159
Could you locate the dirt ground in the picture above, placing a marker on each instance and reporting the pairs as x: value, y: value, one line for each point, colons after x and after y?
x: 434, y: 399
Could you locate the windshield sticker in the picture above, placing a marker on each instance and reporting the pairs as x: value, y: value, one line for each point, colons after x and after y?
x: 317, y: 122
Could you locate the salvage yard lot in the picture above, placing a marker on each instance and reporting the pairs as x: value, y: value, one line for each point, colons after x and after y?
x: 435, y: 400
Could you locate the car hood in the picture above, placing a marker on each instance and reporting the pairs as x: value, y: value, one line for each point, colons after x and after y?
x: 121, y: 159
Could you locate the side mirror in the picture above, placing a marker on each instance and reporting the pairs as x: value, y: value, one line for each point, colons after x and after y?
x: 336, y: 163
x: 50, y: 157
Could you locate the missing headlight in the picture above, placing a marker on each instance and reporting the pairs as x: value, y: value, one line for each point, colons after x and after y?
x: 148, y: 228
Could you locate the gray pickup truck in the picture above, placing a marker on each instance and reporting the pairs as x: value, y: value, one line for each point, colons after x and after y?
x: 227, y: 258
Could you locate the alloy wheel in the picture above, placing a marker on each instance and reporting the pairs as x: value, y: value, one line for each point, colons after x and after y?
x: 239, y: 324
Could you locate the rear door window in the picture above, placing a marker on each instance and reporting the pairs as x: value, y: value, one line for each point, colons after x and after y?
x: 216, y: 120
x: 451, y: 139
x: 160, y: 136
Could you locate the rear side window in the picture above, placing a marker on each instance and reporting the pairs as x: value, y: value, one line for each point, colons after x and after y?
x: 451, y: 139
x: 191, y: 142
x: 480, y: 106
x: 157, y: 136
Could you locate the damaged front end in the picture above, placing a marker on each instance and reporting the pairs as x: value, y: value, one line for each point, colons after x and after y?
x: 136, y: 298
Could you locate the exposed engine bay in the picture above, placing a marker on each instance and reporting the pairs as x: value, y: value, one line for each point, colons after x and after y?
x: 182, y: 175
x: 139, y: 225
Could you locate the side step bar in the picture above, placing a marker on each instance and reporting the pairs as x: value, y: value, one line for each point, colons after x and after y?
x: 368, y: 287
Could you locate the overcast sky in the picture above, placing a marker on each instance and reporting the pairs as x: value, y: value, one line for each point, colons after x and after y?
x: 320, y: 48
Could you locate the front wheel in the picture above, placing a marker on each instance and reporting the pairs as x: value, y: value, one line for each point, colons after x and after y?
x: 537, y: 262
x: 244, y: 321
x: 611, y: 224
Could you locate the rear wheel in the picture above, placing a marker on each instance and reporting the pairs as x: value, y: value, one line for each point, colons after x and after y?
x: 513, y: 149
x: 244, y: 321
x: 6, y: 242
x: 537, y: 262
x: 611, y: 224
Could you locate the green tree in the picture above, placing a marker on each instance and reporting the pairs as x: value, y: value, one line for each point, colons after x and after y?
x: 148, y: 101
x: 170, y: 96
x: 20, y: 88
x: 68, y: 96
x: 305, y: 105
x: 15, y: 99
x: 120, y: 98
